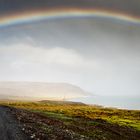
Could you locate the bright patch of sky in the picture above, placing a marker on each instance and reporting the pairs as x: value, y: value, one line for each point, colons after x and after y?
x: 100, y: 57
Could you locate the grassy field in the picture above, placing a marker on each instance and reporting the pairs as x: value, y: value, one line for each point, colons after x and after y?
x: 91, y: 122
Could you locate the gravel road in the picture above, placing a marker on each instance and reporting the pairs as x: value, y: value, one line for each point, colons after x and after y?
x: 10, y: 129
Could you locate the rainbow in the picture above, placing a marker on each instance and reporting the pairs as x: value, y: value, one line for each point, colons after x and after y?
x: 38, y: 15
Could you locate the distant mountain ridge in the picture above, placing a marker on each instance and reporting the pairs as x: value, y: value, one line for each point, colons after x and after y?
x: 40, y: 91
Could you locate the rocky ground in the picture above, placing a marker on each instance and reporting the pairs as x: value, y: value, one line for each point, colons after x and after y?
x: 10, y: 128
x: 42, y: 127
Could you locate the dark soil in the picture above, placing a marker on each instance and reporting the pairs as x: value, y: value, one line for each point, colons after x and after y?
x: 42, y: 127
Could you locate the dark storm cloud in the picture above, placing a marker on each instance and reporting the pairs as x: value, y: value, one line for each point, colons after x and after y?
x: 127, y: 6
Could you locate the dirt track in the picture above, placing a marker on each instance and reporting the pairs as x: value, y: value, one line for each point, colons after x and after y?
x: 9, y: 127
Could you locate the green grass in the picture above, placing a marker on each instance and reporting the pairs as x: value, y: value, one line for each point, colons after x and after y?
x: 125, y: 122
x: 91, y: 121
x: 66, y: 112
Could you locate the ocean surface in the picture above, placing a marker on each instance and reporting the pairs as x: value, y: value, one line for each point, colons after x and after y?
x: 132, y: 103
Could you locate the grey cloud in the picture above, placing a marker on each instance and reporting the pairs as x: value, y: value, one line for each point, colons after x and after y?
x: 111, y: 50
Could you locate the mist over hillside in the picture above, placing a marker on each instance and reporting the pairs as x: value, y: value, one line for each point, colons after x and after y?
x: 39, y: 91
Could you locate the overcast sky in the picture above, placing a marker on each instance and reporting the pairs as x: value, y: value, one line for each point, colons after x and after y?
x: 131, y: 7
x: 99, y: 55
